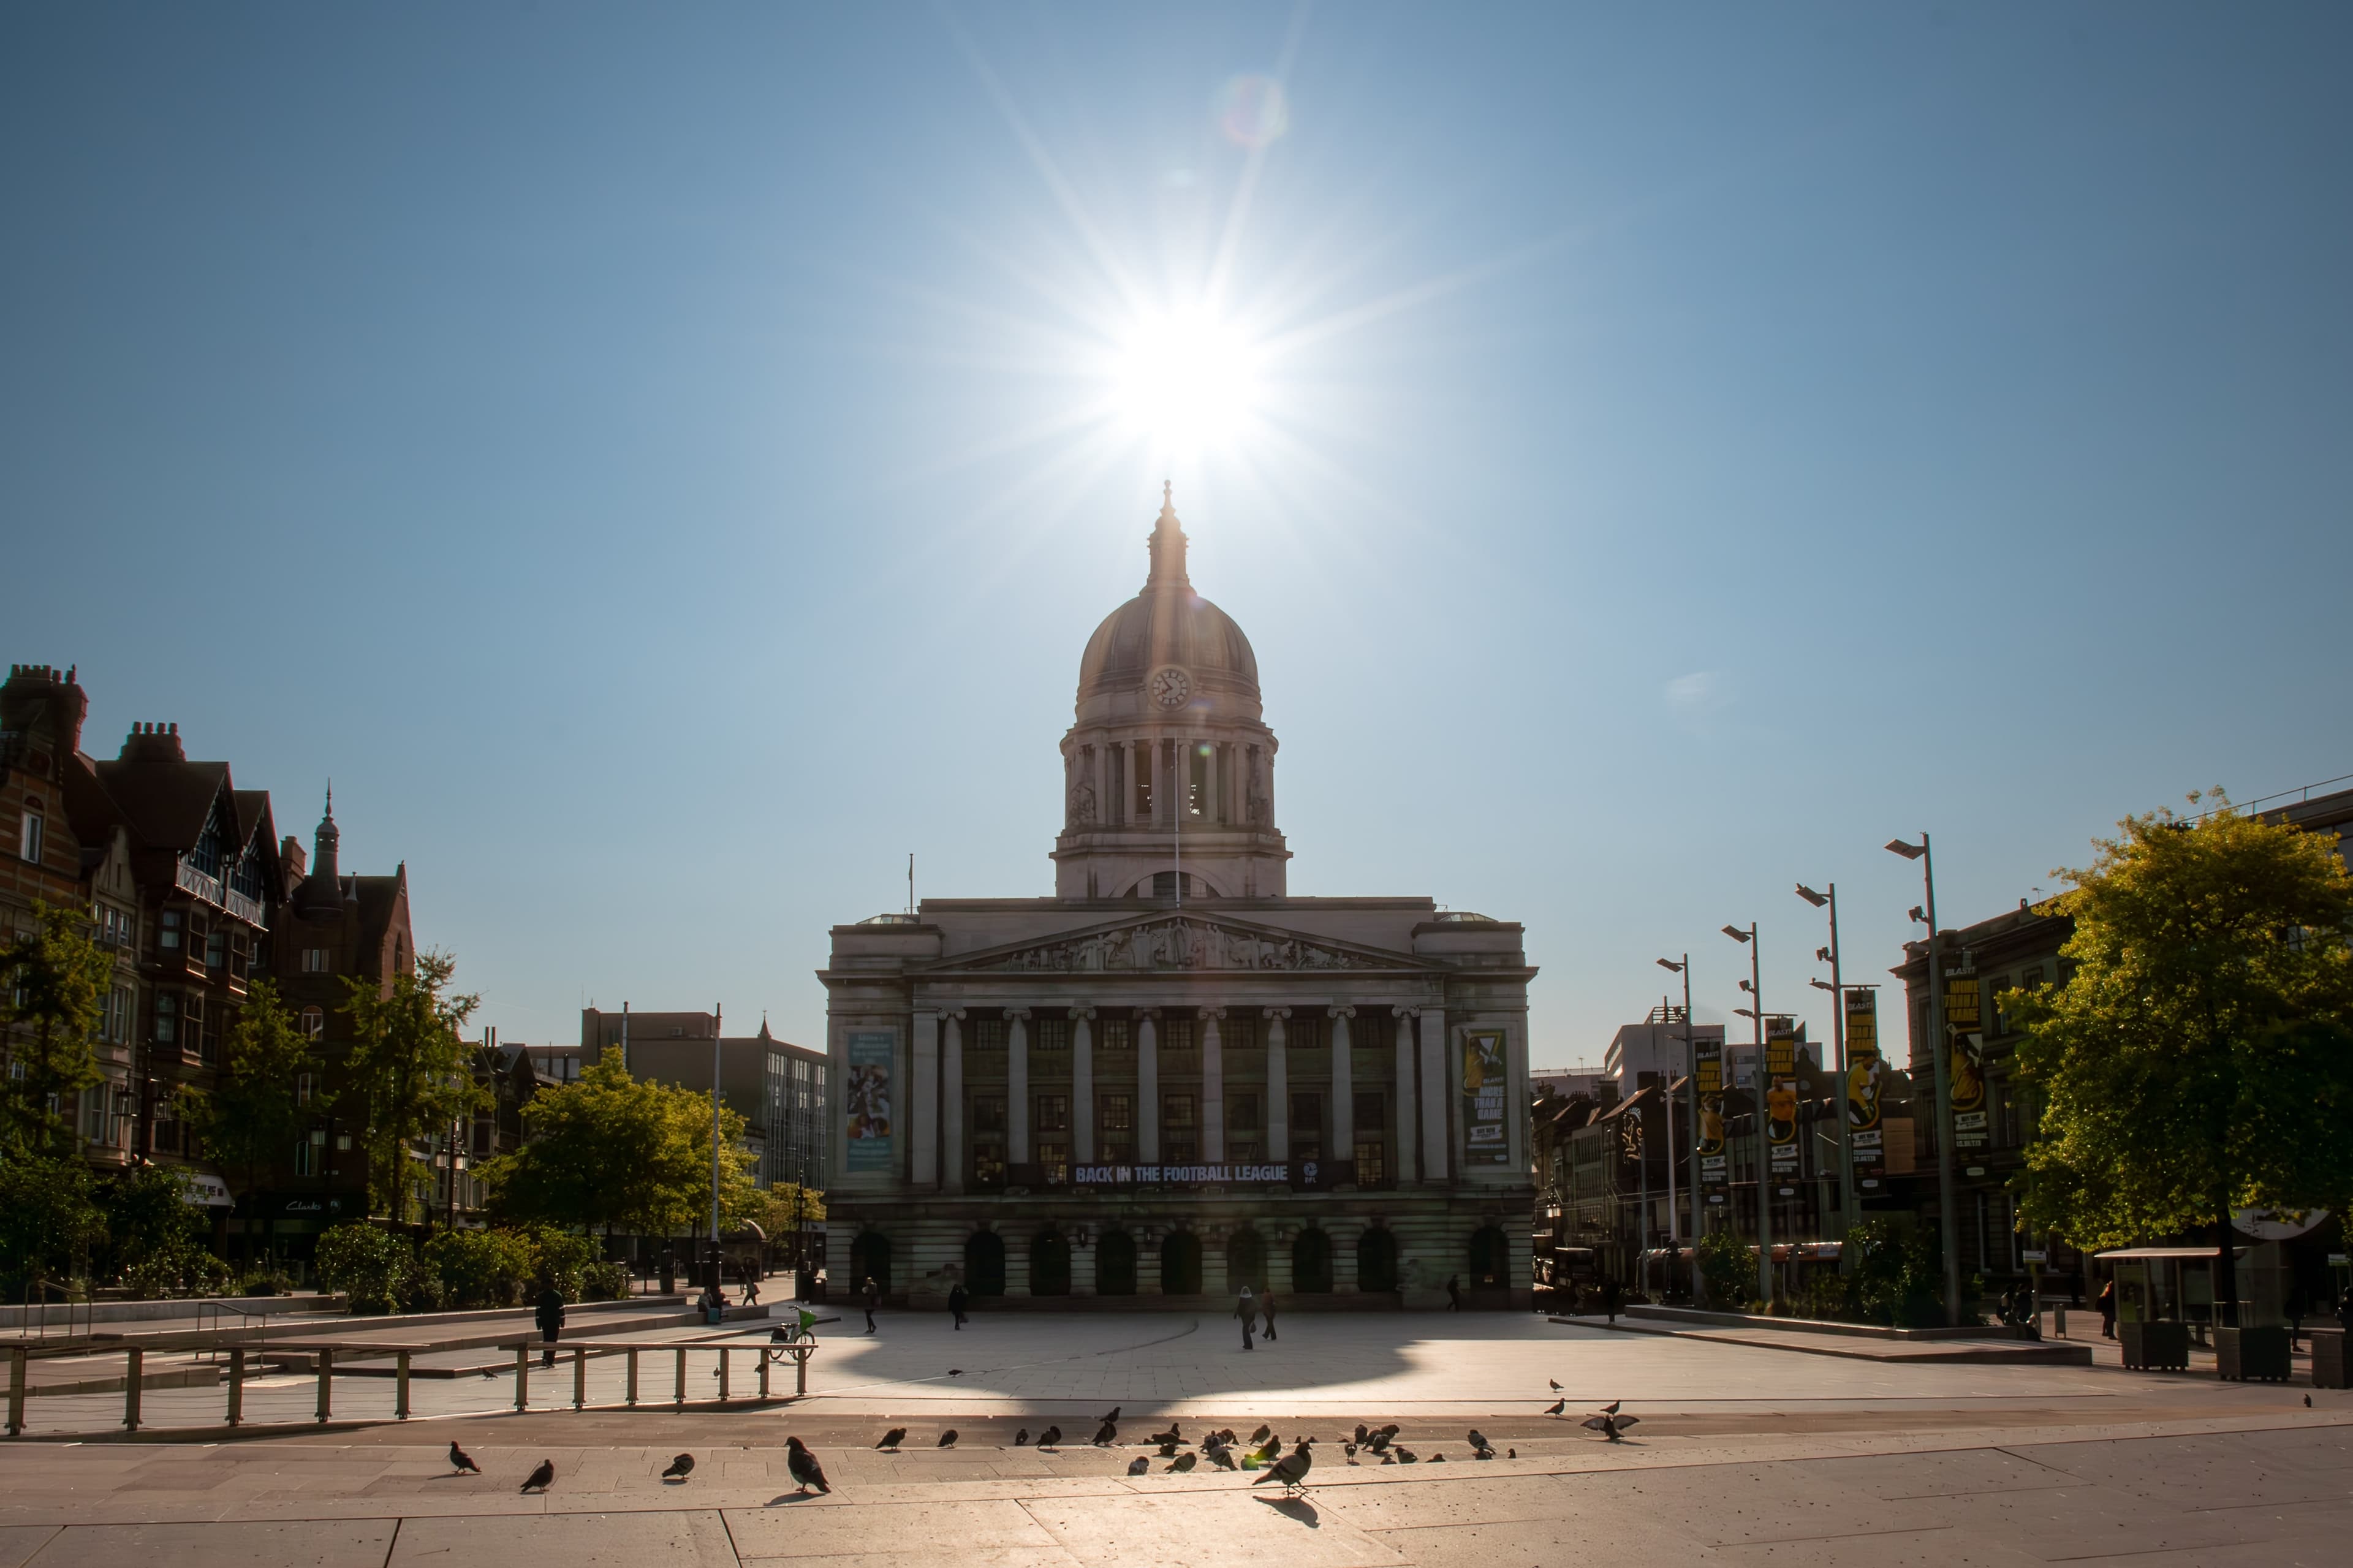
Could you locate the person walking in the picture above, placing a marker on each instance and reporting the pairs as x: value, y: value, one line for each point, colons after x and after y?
x: 2108, y: 1310
x: 750, y: 1284
x: 550, y: 1318
x: 1266, y: 1312
x: 1247, y: 1310
x: 957, y: 1300
x: 1612, y: 1296
x: 873, y: 1297
x: 1454, y: 1293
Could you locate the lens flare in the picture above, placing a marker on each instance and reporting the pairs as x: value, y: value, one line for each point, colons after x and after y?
x: 1252, y: 111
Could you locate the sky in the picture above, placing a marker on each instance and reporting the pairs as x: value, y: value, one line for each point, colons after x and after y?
x: 663, y: 464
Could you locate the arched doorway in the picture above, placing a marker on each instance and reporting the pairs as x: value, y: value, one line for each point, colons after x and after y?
x: 1311, y: 1261
x: 1050, y: 1264
x: 983, y: 1263
x: 1180, y: 1264
x: 1490, y: 1259
x: 1115, y: 1264
x: 1376, y: 1259
x: 1245, y: 1260
x: 870, y: 1259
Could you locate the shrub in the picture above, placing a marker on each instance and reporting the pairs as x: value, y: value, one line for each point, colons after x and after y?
x: 560, y: 1259
x: 604, y: 1282
x: 372, y: 1265
x: 480, y: 1268
x: 1896, y: 1277
x: 48, y: 1221
x: 1729, y: 1268
x: 268, y: 1279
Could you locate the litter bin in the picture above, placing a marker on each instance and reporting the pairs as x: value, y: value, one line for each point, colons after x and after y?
x: 2328, y: 1358
x: 2250, y: 1355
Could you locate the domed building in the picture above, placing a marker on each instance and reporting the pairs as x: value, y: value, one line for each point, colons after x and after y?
x: 1173, y: 1078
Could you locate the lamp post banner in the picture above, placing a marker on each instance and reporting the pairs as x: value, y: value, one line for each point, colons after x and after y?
x: 1865, y: 1078
x: 1965, y: 1061
x: 867, y: 1098
x: 1782, y: 1097
x: 1715, y: 1170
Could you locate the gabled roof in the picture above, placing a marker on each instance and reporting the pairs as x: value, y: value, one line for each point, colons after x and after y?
x: 166, y: 803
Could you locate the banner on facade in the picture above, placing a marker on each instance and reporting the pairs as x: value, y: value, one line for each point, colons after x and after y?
x: 865, y: 1099
x: 1965, y: 1059
x: 1486, y: 1082
x: 1781, y: 1096
x: 1310, y: 1174
x: 1865, y: 1080
x: 1715, y: 1170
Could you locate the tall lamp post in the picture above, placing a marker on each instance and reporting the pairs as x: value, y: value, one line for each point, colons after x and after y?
x: 712, y: 1282
x: 1691, y: 1115
x: 1848, y: 1213
x: 1939, y: 1052
x: 1754, y: 986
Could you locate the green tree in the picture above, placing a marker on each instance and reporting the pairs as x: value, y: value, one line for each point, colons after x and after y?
x: 371, y: 1265
x: 256, y: 1114
x: 2199, y: 1055
x: 154, y: 1238
x: 48, y: 1221
x: 409, y: 1073
x: 53, y: 984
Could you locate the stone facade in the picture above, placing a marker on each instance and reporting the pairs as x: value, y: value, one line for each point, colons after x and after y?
x: 1174, y: 1079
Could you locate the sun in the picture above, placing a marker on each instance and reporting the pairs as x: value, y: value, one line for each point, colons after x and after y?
x: 1185, y: 382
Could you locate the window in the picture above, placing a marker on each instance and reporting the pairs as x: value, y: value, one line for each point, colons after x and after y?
x: 1053, y: 1113
x: 483, y: 1129
x: 1176, y: 1035
x: 28, y: 835
x: 167, y: 1018
x: 1177, y: 1111
x: 316, y: 961
x: 988, y: 1034
x: 1118, y: 1113
x: 342, y: 1142
x: 1237, y: 1035
x: 168, y: 930
x: 113, y: 926
x: 1307, y: 1112
x: 1372, y: 1164
x: 988, y: 1113
x: 1115, y: 1035
x: 302, y: 1157
x: 1242, y: 1113
x: 1054, y: 1162
x: 1372, y: 1112
x: 115, y: 1025
x: 1303, y: 1034
x: 301, y: 1089
x: 216, y: 950
x: 1052, y: 1034
x: 314, y: 1022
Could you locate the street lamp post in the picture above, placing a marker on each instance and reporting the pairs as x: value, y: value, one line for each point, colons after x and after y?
x: 1939, y: 1052
x: 1848, y: 1211
x: 1757, y: 1115
x: 712, y: 1282
x: 1691, y: 1115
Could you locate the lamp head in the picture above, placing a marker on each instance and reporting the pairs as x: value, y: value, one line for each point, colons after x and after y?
x: 1672, y: 965
x: 1811, y: 896
x: 1909, y: 851
x: 1735, y: 933
x: 1822, y: 985
x: 1919, y: 915
x: 1744, y: 985
x: 1746, y: 1012
x: 1823, y: 954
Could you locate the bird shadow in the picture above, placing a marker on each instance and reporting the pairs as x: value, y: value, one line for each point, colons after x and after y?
x: 787, y: 1499
x: 1297, y: 1508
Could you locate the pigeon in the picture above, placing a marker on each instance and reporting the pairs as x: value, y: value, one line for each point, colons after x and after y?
x: 1290, y: 1469
x: 1610, y: 1427
x: 2307, y: 1405
x: 1557, y: 1406
x: 1406, y: 1456
x: 1112, y: 1417
x: 538, y: 1478
x: 1139, y: 1465
x: 682, y: 1468
x: 1262, y: 1433
x: 461, y: 1460
x: 956, y: 1372
x: 1483, y: 1453
x: 1050, y: 1436
x: 1106, y: 1434
x: 1611, y: 1408
x: 948, y: 1438
x: 1362, y: 1432
x: 1350, y: 1450
x: 1268, y: 1451
x: 1184, y: 1465
x: 806, y: 1471
x: 1438, y: 1459
x: 1221, y: 1457
x: 1021, y: 1438
x: 1388, y: 1458
x: 1511, y: 1453
x: 1380, y: 1443
x: 1169, y: 1439
x: 893, y: 1437
x: 1477, y: 1439
x: 1556, y: 1383
x: 1167, y: 1450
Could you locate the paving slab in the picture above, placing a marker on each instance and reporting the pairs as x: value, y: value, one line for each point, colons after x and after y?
x: 694, y: 1538
x: 308, y: 1544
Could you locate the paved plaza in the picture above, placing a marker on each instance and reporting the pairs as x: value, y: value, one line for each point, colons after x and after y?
x: 1743, y: 1455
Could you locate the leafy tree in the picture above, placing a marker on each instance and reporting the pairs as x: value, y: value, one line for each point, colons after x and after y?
x: 154, y: 1237
x: 371, y: 1265
x: 409, y: 1074
x: 53, y: 984
x: 480, y: 1268
x: 2200, y: 1057
x: 48, y: 1221
x: 255, y: 1114
x: 1728, y: 1266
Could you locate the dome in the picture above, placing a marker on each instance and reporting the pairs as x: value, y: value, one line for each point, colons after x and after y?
x: 1167, y: 624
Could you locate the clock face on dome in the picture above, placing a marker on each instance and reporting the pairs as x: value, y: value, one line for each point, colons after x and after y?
x: 1170, y: 686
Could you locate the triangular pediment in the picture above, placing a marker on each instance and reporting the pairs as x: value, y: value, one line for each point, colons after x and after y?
x: 1165, y: 942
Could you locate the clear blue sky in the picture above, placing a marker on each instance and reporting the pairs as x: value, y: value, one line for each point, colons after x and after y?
x: 656, y: 459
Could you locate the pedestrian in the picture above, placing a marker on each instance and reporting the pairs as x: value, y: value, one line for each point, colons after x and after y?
x: 873, y: 1293
x: 1266, y: 1312
x: 1247, y: 1310
x: 1454, y: 1293
x: 750, y: 1284
x: 2108, y: 1310
x: 551, y: 1322
x: 1612, y: 1294
x: 957, y: 1300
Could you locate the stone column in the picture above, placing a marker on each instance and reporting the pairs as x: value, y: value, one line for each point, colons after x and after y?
x: 1082, y: 1086
x: 1406, y: 1145
x: 1082, y: 1261
x: 1017, y: 1261
x: 1213, y: 1088
x: 1100, y: 757
x: 1343, y: 1090
x: 952, y: 1098
x: 1278, y: 1089
x: 1017, y: 1085
x: 1344, y: 1255
x: 1147, y: 1260
x: 925, y: 1166
x: 1147, y: 1086
x: 1435, y: 1101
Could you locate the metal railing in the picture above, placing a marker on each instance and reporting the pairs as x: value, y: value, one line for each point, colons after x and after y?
x: 208, y: 1321
x: 35, y: 1323
x: 767, y: 1351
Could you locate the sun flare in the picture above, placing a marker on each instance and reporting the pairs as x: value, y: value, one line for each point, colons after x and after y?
x: 1185, y: 383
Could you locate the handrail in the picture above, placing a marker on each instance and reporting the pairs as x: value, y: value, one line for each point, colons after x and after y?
x: 36, y: 1314
x: 214, y: 1307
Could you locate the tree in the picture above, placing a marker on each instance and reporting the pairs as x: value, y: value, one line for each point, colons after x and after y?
x: 408, y: 1075
x: 154, y: 1238
x: 53, y: 984
x: 256, y: 1114
x: 48, y: 1221
x: 2199, y: 1057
